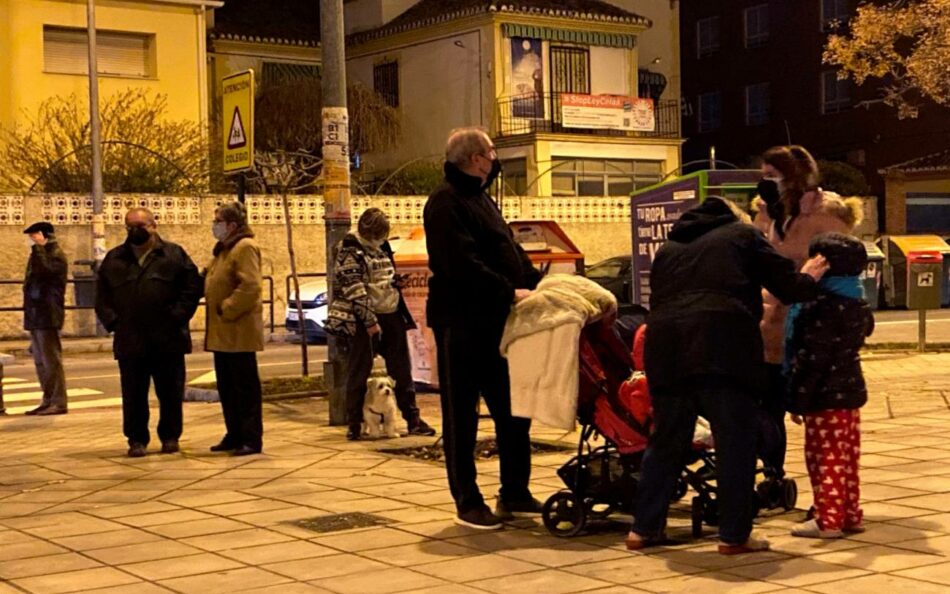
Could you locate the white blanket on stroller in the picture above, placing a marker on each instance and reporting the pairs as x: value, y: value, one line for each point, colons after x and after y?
x: 541, y: 344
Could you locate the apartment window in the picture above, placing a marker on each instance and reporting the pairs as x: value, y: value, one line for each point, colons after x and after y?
x: 835, y: 93
x: 65, y: 51
x: 756, y: 25
x: 710, y: 111
x: 386, y: 82
x: 603, y: 177
x: 834, y: 12
x: 515, y: 176
x: 707, y: 36
x: 757, y: 104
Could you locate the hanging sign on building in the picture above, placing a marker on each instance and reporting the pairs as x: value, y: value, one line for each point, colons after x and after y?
x: 607, y: 112
x: 237, y: 98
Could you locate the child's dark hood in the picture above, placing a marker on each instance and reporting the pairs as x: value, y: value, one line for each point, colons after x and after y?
x: 700, y: 220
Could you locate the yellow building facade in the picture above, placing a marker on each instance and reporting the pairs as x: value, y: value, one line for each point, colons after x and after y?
x: 154, y: 45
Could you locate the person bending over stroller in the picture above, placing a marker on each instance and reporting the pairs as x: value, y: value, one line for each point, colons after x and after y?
x: 704, y: 355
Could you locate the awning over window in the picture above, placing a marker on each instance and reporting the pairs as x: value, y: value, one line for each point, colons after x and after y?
x: 570, y: 35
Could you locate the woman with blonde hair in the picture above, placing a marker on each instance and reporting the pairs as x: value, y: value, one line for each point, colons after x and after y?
x: 792, y: 210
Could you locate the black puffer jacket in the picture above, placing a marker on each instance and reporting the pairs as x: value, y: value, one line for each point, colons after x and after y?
x: 475, y: 261
x: 148, y: 308
x: 826, y: 362
x: 706, y: 298
x: 44, y: 290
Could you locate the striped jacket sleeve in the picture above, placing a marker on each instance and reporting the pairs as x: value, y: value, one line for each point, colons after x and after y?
x: 351, y: 274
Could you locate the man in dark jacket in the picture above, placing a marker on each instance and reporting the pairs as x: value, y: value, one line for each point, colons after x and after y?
x: 478, y: 271
x: 704, y: 356
x: 44, y: 292
x: 148, y: 290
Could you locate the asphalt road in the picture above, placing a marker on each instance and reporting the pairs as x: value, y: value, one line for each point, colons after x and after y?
x: 901, y: 326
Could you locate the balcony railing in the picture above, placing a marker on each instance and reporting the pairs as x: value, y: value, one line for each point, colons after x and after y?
x: 531, y: 114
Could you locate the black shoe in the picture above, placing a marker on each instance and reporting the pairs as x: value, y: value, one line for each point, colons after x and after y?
x: 37, y: 410
x: 170, y: 446
x: 420, y: 427
x: 479, y: 518
x: 52, y: 410
x: 246, y: 450
x: 136, y: 450
x: 223, y: 446
x: 354, y: 433
x: 518, y: 509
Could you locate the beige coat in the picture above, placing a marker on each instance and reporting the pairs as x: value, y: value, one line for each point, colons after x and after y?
x: 235, y: 320
x: 821, y: 212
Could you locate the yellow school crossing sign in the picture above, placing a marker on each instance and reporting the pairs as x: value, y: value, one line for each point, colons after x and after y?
x: 238, y: 125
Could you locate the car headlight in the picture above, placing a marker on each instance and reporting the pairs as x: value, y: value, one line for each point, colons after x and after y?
x: 321, y: 300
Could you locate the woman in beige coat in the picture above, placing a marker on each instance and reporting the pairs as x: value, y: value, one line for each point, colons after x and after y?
x: 792, y: 209
x: 235, y: 328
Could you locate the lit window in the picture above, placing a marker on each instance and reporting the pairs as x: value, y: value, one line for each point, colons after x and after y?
x: 835, y: 93
x: 710, y: 111
x: 757, y: 104
x: 756, y: 25
x: 603, y: 177
x: 707, y: 36
x: 65, y: 51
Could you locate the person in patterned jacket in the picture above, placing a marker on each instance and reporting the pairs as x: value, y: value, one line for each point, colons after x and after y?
x: 368, y: 310
x: 826, y: 386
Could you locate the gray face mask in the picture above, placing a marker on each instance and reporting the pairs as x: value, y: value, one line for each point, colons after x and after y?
x: 220, y: 230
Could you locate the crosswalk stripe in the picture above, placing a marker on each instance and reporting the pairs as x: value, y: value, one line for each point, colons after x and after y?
x: 12, y: 380
x: 204, y: 378
x: 101, y: 403
x: 71, y: 392
x: 21, y: 386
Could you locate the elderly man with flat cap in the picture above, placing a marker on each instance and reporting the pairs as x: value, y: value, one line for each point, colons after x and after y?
x: 44, y: 292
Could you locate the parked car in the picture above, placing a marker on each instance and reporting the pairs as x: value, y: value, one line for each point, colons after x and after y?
x: 313, y: 294
x: 615, y: 275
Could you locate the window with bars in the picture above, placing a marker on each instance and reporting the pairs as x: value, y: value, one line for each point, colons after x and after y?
x: 834, y: 13
x: 386, y: 82
x: 65, y: 51
x: 756, y: 21
x: 757, y: 104
x: 602, y: 177
x: 707, y: 36
x: 710, y: 111
x: 835, y: 93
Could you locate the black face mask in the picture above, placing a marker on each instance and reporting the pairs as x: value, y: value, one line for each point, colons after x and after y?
x: 492, y: 174
x: 769, y: 192
x: 138, y: 236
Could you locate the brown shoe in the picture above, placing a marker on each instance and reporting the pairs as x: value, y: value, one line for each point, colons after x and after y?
x: 52, y: 410
x: 37, y: 410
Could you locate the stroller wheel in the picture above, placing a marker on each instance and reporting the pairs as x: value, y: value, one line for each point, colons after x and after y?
x: 763, y: 494
x: 711, y: 512
x: 696, y: 515
x: 789, y: 494
x: 681, y: 487
x: 563, y: 514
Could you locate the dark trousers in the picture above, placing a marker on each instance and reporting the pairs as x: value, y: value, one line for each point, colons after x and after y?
x: 393, y: 347
x: 48, y: 359
x: 239, y: 387
x: 774, y: 404
x: 471, y: 365
x: 728, y: 408
x: 168, y: 373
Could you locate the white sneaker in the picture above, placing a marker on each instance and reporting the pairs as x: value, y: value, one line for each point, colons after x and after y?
x: 811, y: 529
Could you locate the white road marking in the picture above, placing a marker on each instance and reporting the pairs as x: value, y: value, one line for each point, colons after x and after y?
x: 21, y: 385
x: 101, y: 403
x: 12, y: 380
x: 896, y: 322
x: 204, y: 378
x: 71, y: 392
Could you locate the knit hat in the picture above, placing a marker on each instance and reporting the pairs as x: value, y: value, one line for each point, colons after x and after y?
x: 846, y: 255
x: 42, y: 227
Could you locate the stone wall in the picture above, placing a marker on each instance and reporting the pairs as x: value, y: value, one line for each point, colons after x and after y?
x: 599, y: 226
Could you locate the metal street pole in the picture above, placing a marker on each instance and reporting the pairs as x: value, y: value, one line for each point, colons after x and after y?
x: 336, y: 178
x: 98, y: 220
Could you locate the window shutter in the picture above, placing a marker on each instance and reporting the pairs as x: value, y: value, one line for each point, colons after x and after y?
x: 122, y: 54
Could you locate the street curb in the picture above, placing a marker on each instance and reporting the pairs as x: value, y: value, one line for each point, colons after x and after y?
x: 206, y: 395
x: 105, y: 345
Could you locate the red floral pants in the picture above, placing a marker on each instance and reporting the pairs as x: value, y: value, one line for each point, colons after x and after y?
x: 832, y: 452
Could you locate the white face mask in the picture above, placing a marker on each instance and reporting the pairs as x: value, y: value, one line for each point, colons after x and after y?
x: 779, y: 181
x: 220, y: 230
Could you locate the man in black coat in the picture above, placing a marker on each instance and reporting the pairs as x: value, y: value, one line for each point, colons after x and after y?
x: 44, y: 292
x: 478, y: 272
x: 704, y: 356
x: 148, y: 290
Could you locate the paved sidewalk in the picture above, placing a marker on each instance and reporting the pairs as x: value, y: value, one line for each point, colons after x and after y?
x: 76, y: 515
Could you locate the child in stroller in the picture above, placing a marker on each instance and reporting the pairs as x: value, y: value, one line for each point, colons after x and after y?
x: 614, y: 403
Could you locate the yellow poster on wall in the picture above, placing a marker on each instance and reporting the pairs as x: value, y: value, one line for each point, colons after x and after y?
x: 237, y: 93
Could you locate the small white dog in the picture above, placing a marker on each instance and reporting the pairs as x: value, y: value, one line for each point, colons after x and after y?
x: 379, y: 408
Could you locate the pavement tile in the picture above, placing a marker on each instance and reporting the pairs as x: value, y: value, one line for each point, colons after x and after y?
x: 508, y: 540
x: 881, y: 582
x: 890, y: 493
x: 234, y: 580
x: 800, y: 572
x: 469, y: 569
x: 880, y: 559
x: 274, y: 552
x: 324, y: 567
x: 890, y: 533
x: 379, y: 582
x: 117, y: 496
x: 939, y: 545
x: 289, y: 588
x: 148, y: 551
x: 364, y: 540
x: 419, y: 553
x: 165, y: 517
x: 29, y: 548
x: 549, y: 581
x: 564, y: 555
x: 706, y: 556
x: 187, y: 498
x: 930, y: 573
x: 245, y: 507
x: 933, y: 502
x: 936, y: 522
x: 418, y: 515
x: 632, y: 569
x: 446, y: 589
x: 181, y: 566
x: 132, y: 509
x: 21, y: 568
x: 136, y: 588
x: 211, y: 525
x: 102, y: 540
x: 934, y: 484
x: 231, y: 540
x: 706, y: 582
x: 74, y: 581
x: 880, y: 511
